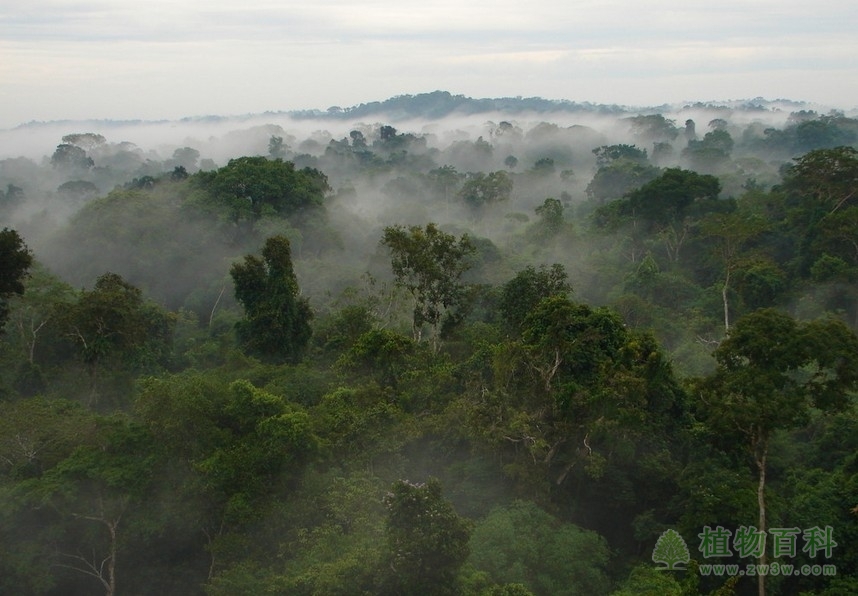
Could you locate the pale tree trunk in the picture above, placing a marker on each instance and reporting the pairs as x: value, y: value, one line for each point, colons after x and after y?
x: 103, y: 570
x: 29, y: 337
x: 724, y: 291
x: 761, y: 452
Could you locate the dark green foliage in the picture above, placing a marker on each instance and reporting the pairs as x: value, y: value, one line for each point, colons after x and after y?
x: 78, y: 190
x: 654, y: 127
x: 824, y: 180
x: 234, y: 442
x: 666, y: 198
x: 773, y: 372
x: 113, y: 318
x: 825, y: 132
x: 15, y: 261
x: 71, y: 158
x: 608, y: 154
x: 427, y: 540
x: 521, y: 294
x: 276, y: 324
x: 619, y: 177
x: 551, y: 221
x: 11, y: 199
x: 481, y: 190
x: 710, y: 154
x: 248, y: 188
x: 113, y: 327
x: 523, y: 544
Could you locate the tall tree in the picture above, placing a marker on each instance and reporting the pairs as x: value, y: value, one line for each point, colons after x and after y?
x: 485, y: 189
x: 772, y: 372
x: 827, y: 179
x: 429, y: 263
x: 15, y: 261
x: 71, y: 157
x: 276, y: 324
x: 248, y: 188
x: 94, y: 491
x: 730, y: 233
x: 114, y: 323
x: 521, y: 294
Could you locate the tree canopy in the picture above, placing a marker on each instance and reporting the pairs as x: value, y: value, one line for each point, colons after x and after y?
x: 277, y: 319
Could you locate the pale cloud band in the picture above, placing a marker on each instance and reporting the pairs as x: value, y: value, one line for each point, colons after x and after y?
x: 109, y: 58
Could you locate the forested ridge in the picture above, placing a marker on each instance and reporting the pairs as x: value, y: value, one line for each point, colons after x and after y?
x: 493, y: 357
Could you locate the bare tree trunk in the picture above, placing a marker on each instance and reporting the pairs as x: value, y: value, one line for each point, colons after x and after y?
x: 103, y: 570
x: 214, y: 308
x: 724, y: 290
x: 111, y: 561
x: 761, y: 503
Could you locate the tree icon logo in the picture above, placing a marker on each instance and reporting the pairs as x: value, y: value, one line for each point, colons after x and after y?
x: 671, y: 550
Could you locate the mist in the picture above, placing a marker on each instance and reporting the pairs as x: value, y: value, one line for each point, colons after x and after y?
x: 588, y: 449
x: 363, y: 201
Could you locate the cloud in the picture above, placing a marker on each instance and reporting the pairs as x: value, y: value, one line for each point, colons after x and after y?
x: 113, y: 58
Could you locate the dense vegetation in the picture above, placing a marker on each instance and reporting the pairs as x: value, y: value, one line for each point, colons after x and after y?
x: 499, y: 363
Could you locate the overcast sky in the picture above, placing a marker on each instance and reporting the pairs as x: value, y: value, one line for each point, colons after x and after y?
x: 166, y: 59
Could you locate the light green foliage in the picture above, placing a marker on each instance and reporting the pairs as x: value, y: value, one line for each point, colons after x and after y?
x: 238, y: 442
x: 37, y: 433
x: 429, y: 263
x: 380, y: 354
x: 645, y: 580
x: 260, y: 437
x: 339, y: 545
x: 362, y: 425
x: 523, y: 544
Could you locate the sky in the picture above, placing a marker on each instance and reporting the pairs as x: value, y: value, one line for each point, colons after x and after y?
x: 168, y: 59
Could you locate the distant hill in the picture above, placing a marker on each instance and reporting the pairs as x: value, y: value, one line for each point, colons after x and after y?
x: 439, y: 104
x: 436, y: 105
